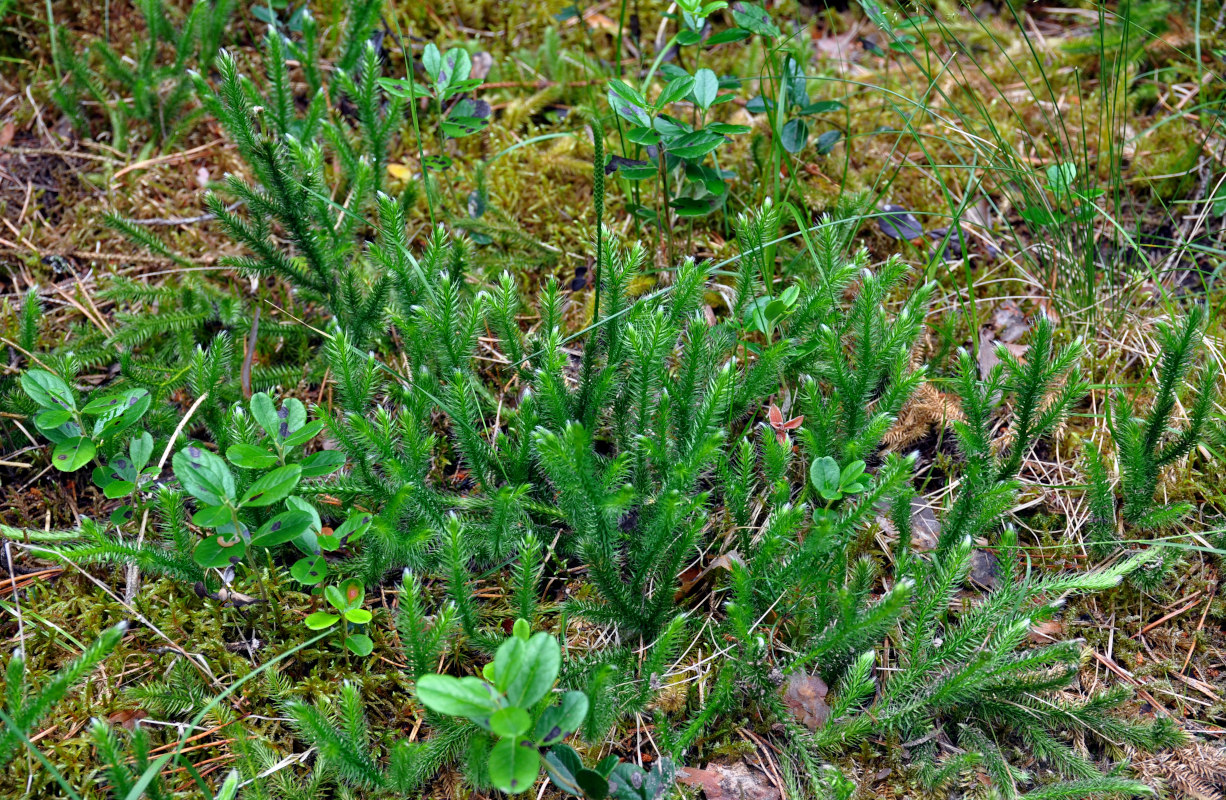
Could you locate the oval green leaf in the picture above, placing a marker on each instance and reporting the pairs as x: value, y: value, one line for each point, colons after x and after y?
x: 310, y: 570
x: 514, y: 765
x: 273, y: 487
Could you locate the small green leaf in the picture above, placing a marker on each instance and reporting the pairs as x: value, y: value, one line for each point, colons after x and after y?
x: 824, y: 472
x: 560, y: 721
x: 358, y: 616
x: 248, y: 456
x: 213, y: 517
x: 775, y: 310
x: 510, y: 722
x: 140, y: 450
x: 514, y: 765
x: 116, y: 489
x: 310, y: 570
x: 131, y: 408
x: 690, y: 207
x: 455, y: 68
x: 637, y: 172
x: 821, y: 107
x: 694, y: 145
x: 346, y: 596
x: 360, y: 644
x: 320, y: 620
x: 827, y: 141
x: 282, y: 528
x: 304, y: 434
x: 706, y: 87
x: 204, y: 475
x: 795, y: 135
x: 308, y: 542
x: 851, y: 475
x: 265, y: 413
x: 725, y: 36
x: 628, y: 103
x: 595, y: 786
x: 47, y: 389
x: 676, y: 89
x: 756, y: 20
x: 102, y: 405
x: 1060, y: 177
x: 350, y: 530
x: 273, y: 487
x: 229, y: 787
x: 72, y: 454
x: 432, y: 60
x: 538, y: 669
x: 727, y: 129
x: 468, y: 697
x: 52, y: 417
x: 563, y: 765
x: 643, y: 136
x: 219, y: 550
x: 335, y: 597
x: 324, y: 462
x: 460, y: 127
x: 688, y: 38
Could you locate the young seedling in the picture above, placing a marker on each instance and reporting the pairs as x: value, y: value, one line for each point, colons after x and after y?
x: 347, y: 600
x: 510, y: 701
x: 76, y: 439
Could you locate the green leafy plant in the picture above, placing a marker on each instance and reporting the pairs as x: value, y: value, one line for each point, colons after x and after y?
x: 504, y: 702
x: 511, y: 721
x: 78, y: 441
x: 346, y: 600
x: 1068, y: 202
x: 239, y: 508
x: 678, y: 151
x: 612, y: 777
x: 448, y: 87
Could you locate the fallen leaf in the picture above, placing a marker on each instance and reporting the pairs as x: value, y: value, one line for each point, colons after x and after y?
x: 400, y: 172
x: 129, y: 719
x: 1046, y: 632
x: 985, y: 570
x: 597, y: 21
x: 1009, y: 321
x: 481, y: 64
x: 731, y: 782
x: 805, y: 697
x: 691, y: 579
x: 925, y: 528
x: 987, y: 352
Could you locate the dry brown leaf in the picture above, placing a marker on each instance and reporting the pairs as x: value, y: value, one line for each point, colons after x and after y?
x: 1046, y: 632
x: 1009, y: 321
x: 985, y: 571
x: 925, y: 527
x: 692, y: 579
x: 732, y: 782
x: 805, y: 697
